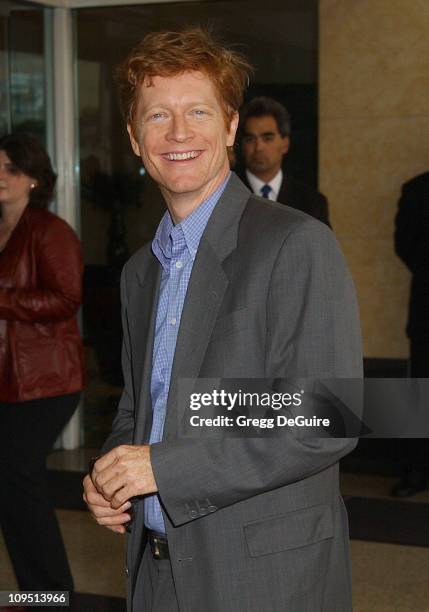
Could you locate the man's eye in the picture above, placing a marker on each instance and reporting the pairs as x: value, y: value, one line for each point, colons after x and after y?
x: 157, y: 116
x: 199, y: 112
x: 248, y: 139
x: 268, y: 138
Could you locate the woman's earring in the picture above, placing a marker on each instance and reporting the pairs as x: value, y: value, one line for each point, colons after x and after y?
x: 33, y: 185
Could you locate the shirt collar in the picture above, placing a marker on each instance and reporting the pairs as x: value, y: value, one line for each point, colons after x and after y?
x: 256, y: 183
x: 192, y: 228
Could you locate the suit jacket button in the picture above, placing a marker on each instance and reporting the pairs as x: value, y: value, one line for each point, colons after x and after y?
x: 127, y: 571
x: 212, y: 508
x: 193, y: 514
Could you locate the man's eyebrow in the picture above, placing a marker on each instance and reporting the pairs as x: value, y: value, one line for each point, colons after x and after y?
x: 263, y: 134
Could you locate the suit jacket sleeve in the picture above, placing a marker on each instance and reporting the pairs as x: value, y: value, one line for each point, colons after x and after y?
x: 123, y: 424
x: 407, y: 226
x: 312, y: 331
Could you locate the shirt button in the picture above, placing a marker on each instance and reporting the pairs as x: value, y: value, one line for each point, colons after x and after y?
x: 173, y: 321
x: 179, y: 264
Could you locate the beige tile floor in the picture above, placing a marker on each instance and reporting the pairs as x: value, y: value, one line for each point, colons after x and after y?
x: 96, y: 556
x: 386, y: 577
x: 389, y: 578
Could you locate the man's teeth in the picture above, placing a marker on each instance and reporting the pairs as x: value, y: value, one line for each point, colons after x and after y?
x: 180, y: 156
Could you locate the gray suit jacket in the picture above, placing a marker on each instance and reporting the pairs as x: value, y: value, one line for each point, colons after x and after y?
x: 254, y: 525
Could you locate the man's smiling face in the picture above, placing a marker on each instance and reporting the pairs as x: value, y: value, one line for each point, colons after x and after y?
x: 179, y: 130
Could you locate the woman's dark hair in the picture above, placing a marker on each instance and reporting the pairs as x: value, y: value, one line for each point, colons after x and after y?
x: 27, y: 154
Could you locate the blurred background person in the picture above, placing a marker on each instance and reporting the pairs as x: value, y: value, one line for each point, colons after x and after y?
x: 41, y: 358
x: 412, y: 246
x: 265, y: 140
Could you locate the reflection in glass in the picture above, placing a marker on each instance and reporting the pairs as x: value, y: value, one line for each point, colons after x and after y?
x: 4, y: 77
x: 22, y: 70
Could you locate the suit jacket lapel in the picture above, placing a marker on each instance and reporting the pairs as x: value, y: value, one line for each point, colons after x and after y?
x: 144, y: 315
x: 204, y: 296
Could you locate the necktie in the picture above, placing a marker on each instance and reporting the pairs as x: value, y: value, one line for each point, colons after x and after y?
x: 265, y: 190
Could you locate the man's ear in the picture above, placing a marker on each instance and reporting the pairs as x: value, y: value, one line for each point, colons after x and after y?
x: 286, y: 145
x: 230, y: 139
x: 134, y: 143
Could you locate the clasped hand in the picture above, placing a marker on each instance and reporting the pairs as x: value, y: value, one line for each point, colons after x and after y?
x: 120, y: 474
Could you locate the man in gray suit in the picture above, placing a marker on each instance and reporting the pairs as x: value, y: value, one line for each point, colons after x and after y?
x: 231, y: 287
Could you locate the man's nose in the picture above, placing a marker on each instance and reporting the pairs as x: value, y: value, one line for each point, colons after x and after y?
x: 259, y: 144
x: 179, y: 129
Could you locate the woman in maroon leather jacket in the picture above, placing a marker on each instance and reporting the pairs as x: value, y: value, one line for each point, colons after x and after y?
x: 41, y: 358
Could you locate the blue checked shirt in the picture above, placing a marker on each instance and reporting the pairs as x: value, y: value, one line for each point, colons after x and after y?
x: 175, y: 246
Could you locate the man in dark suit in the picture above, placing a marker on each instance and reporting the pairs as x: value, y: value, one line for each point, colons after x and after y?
x: 412, y: 246
x: 265, y: 139
x: 231, y: 287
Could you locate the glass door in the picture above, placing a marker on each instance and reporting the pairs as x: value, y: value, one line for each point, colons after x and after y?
x: 23, y: 69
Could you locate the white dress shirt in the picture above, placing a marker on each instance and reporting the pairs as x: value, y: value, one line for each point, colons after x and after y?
x: 275, y: 184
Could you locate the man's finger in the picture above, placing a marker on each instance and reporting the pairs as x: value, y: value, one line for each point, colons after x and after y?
x: 116, y: 528
x: 110, y: 488
x: 90, y: 493
x: 96, y: 499
x: 108, y: 512
x: 107, y: 459
x: 113, y: 520
x: 121, y: 496
x: 101, y: 478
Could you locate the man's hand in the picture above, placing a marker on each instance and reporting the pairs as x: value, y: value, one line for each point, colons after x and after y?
x: 101, y: 510
x: 123, y: 473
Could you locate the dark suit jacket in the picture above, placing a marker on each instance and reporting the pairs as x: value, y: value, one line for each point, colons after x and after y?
x: 412, y: 246
x: 253, y: 524
x: 301, y: 196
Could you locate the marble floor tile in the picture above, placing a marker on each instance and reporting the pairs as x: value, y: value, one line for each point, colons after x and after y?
x: 96, y: 556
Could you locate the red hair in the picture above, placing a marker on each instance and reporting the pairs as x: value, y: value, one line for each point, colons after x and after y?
x: 167, y: 54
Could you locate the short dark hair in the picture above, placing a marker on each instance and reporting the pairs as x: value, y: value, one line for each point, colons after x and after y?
x: 28, y: 155
x: 263, y: 106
